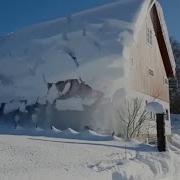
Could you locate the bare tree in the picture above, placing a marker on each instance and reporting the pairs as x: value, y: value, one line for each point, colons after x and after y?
x: 132, y: 117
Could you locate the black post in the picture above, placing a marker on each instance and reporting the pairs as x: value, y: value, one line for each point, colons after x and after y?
x: 161, y: 139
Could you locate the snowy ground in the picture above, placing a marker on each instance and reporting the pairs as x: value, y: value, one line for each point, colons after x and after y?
x: 25, y: 157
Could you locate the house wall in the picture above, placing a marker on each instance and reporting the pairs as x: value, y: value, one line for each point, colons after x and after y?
x: 147, y: 74
x: 147, y: 70
x: 150, y: 125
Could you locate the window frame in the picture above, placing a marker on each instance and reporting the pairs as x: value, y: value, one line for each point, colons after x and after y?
x: 149, y: 36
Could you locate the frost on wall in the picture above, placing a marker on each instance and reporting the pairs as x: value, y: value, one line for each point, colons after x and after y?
x: 72, y: 68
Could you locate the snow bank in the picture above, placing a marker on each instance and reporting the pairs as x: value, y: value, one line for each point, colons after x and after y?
x: 55, y: 130
x: 70, y: 133
x: 20, y: 128
x: 88, y: 135
x: 93, y: 136
x: 73, y: 159
x: 38, y: 129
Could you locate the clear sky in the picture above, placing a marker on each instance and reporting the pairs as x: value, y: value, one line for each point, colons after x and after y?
x: 15, y: 14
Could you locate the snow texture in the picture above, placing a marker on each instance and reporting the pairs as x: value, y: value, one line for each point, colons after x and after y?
x: 27, y: 56
x: 69, y: 104
x: 155, y: 107
x: 38, y: 157
x: 48, y: 63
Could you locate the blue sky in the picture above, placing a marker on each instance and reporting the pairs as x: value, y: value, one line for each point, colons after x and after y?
x: 15, y: 14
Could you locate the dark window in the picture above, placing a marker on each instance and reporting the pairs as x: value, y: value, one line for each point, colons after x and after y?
x: 151, y: 72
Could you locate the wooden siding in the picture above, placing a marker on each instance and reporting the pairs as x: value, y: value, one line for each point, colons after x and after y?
x: 148, y: 73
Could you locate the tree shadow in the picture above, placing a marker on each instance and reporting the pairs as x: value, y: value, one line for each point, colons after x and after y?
x: 139, y: 147
x: 77, y: 139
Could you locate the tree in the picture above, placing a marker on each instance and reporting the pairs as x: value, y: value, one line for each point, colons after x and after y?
x: 174, y: 83
x: 176, y: 49
x: 132, y: 117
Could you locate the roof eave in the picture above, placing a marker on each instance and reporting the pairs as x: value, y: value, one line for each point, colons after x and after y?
x: 163, y: 40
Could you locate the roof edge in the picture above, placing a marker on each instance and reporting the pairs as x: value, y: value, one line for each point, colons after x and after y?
x: 165, y: 34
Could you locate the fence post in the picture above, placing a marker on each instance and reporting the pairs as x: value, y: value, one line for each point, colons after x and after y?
x: 161, y: 139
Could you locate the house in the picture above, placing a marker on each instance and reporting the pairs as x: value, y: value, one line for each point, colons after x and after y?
x: 82, y: 70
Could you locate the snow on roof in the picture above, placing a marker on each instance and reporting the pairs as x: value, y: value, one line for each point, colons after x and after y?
x: 87, y: 45
x: 124, y: 10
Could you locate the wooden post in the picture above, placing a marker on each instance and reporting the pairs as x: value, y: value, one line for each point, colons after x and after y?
x: 161, y: 140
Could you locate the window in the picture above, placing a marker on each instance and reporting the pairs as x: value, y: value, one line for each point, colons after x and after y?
x: 149, y: 36
x: 151, y: 72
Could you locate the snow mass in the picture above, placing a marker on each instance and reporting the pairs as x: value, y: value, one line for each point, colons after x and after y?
x: 74, y: 64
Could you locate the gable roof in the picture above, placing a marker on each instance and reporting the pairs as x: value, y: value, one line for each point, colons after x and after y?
x: 154, y: 8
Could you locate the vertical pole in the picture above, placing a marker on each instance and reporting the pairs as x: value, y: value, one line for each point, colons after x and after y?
x: 161, y: 140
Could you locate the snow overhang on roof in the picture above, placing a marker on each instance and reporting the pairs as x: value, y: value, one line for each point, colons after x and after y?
x: 163, y: 39
x: 59, y: 50
x: 43, y: 50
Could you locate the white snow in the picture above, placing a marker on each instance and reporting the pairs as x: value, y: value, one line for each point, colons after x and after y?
x: 26, y: 158
x: 66, y: 88
x: 69, y: 104
x: 56, y: 130
x: 155, y: 107
x: 40, y: 51
x: 49, y: 156
x: 38, y: 129
x: 11, y: 106
x: 52, y: 94
x: 93, y: 136
x: 90, y: 45
x: 19, y: 128
x: 22, y: 107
